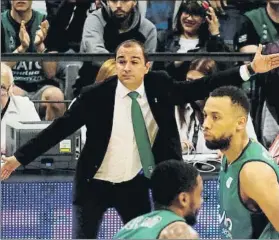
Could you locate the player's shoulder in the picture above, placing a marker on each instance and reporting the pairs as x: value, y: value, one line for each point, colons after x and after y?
x: 178, y: 230
x: 250, y: 171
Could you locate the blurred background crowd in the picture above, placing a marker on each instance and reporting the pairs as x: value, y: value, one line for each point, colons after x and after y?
x: 99, y: 26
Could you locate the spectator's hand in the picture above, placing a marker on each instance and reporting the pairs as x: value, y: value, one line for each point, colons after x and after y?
x: 24, y: 36
x: 264, y: 63
x: 186, y: 146
x: 213, y: 22
x: 8, y: 165
x: 41, y: 36
x: 218, y: 5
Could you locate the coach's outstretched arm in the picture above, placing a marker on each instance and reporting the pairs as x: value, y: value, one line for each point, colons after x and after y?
x: 59, y: 129
x: 188, y: 91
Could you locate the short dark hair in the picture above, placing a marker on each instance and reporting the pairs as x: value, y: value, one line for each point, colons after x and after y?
x: 170, y: 178
x: 132, y: 43
x: 237, y: 96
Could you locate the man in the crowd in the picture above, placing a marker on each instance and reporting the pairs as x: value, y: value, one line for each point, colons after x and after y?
x: 262, y: 26
x: 114, y: 23
x: 13, y: 108
x: 24, y: 30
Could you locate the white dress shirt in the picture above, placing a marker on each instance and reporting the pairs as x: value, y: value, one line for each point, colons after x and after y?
x: 122, y: 161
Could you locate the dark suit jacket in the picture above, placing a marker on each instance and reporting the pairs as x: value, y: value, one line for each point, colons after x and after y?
x: 95, y: 108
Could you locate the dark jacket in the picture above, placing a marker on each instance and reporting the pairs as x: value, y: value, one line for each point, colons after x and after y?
x: 95, y: 107
x: 66, y: 27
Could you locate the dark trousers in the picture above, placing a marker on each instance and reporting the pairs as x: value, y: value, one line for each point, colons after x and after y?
x: 130, y: 199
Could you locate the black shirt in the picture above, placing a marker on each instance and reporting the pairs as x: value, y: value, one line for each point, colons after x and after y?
x: 247, y: 34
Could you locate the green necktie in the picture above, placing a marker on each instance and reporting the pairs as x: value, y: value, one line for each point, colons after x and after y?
x: 141, y: 135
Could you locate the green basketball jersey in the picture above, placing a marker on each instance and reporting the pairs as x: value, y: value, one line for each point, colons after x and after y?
x: 236, y: 220
x: 148, y: 226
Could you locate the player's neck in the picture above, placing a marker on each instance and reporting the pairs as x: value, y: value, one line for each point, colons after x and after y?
x: 238, y: 143
x: 18, y: 17
x: 176, y: 210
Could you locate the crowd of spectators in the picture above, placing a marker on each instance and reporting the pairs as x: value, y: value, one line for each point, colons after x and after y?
x: 177, y: 26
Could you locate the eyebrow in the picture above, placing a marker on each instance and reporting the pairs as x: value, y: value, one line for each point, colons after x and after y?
x: 134, y: 57
x: 204, y: 112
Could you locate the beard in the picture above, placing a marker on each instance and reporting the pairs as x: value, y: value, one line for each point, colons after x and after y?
x: 222, y: 143
x: 119, y: 19
x: 191, y: 219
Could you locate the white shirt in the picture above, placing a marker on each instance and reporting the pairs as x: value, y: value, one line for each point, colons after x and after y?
x: 187, y: 44
x: 19, y: 109
x: 122, y: 161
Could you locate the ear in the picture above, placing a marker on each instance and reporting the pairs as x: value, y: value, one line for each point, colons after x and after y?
x: 10, y: 92
x: 183, y: 199
x: 241, y: 123
x: 147, y: 66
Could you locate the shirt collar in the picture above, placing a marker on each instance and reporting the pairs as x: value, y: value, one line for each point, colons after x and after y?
x: 123, y: 91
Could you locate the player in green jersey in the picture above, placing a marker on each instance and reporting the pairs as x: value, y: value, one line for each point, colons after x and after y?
x: 177, y: 194
x: 248, y: 189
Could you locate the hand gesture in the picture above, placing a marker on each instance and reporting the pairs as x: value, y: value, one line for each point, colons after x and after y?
x: 24, y: 36
x: 8, y: 165
x: 213, y: 22
x: 41, y: 33
x: 264, y: 63
x: 218, y: 5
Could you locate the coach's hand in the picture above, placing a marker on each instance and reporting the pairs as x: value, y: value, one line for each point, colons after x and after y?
x: 264, y: 63
x: 8, y: 165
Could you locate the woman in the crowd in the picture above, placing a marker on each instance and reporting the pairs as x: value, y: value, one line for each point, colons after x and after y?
x: 196, y: 30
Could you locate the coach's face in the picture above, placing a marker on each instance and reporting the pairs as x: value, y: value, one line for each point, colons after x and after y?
x: 131, y: 66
